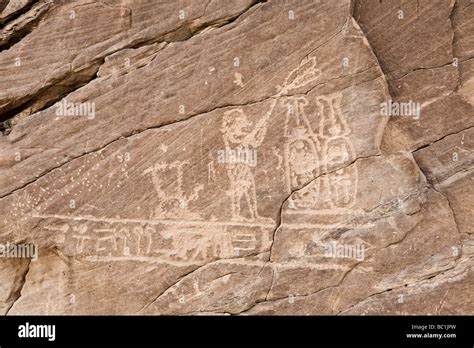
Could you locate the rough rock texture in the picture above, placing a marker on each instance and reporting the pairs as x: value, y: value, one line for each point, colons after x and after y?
x: 232, y: 157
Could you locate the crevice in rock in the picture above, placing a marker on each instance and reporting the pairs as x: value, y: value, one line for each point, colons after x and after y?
x: 184, y: 276
x: 379, y: 63
x: 16, y: 14
x: 150, y: 303
x: 5, y: 123
x: 301, y: 296
x: 189, y: 30
x: 48, y: 96
x: 453, y: 42
x: 139, y: 131
x: 224, y: 22
x: 279, y: 216
x: 304, y: 186
x: 451, y: 15
x: 55, y: 91
x: 32, y: 16
x: 129, y: 134
x: 418, y: 69
x: 440, y: 139
x: 339, y: 284
x: 15, y: 296
x: 271, y: 283
x: 346, y: 274
x: 343, y: 27
x: 3, y: 5
x: 445, y: 197
x: 390, y: 75
x: 430, y: 278
x: 405, y: 235
x: 143, y: 62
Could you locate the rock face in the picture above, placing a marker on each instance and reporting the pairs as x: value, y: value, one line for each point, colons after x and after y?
x: 237, y: 157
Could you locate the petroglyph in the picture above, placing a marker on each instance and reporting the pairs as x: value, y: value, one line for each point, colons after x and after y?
x: 238, y: 79
x: 241, y: 136
x: 308, y: 153
x: 174, y: 202
x: 236, y: 159
x: 301, y: 147
x: 166, y: 241
x: 276, y: 152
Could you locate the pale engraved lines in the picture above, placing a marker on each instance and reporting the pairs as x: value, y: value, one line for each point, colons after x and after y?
x: 310, y: 265
x: 211, y: 172
x: 309, y: 225
x: 307, y: 153
x: 191, y: 286
x: 304, y: 74
x: 337, y: 150
x: 244, y: 242
x: 140, y: 233
x: 186, y: 223
x: 238, y: 79
x: 239, y: 261
x: 147, y: 259
x: 276, y: 152
x: 173, y: 242
x: 301, y: 147
x: 151, y: 259
x: 334, y: 211
x: 204, y: 247
x: 175, y: 202
x: 109, y: 237
x: 81, y: 237
x: 58, y: 237
x: 322, y: 225
x: 240, y: 134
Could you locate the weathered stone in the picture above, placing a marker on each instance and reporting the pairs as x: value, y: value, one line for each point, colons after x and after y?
x: 448, y: 164
x: 237, y: 157
x: 12, y: 273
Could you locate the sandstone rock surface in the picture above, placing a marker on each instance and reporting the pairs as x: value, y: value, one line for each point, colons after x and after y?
x: 244, y: 157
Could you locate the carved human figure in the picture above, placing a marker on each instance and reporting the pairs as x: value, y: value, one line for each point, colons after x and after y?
x: 241, y: 135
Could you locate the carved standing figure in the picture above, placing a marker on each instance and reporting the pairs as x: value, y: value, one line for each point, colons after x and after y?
x: 240, y: 136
